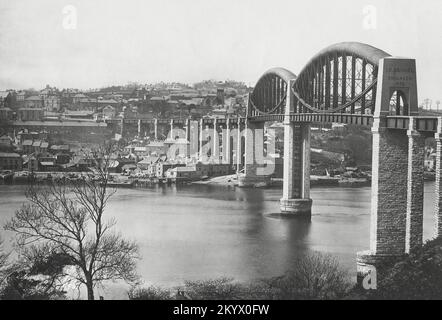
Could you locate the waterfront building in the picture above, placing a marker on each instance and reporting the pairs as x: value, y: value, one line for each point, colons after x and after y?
x: 162, y: 167
x: 5, y: 141
x: 148, y: 162
x: 10, y: 161
x: 183, y: 173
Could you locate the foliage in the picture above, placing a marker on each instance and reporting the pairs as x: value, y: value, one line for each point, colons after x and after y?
x: 313, y: 277
x: 149, y: 293
x: 214, y: 289
x: 68, y: 218
x: 37, y: 275
x: 3, y: 263
x: 418, y: 276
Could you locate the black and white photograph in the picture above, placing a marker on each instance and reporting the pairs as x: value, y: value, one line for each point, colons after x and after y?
x: 244, y: 151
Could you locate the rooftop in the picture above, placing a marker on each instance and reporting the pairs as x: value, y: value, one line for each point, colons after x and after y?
x: 9, y: 155
x: 33, y: 98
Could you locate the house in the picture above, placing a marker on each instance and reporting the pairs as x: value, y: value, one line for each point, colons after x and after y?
x: 183, y: 173
x: 77, y: 98
x: 44, y: 147
x: 157, y: 147
x: 39, y: 146
x: 5, y: 114
x: 162, y: 167
x: 213, y: 169
x: 24, y: 135
x: 3, y: 95
x: 48, y: 166
x: 51, y: 103
x: 128, y: 168
x: 27, y: 146
x: 220, y: 169
x: 10, y: 161
x: 62, y: 158
x: 29, y: 114
x: 31, y: 163
x: 36, y: 146
x: 5, y: 140
x: 79, y: 115
x: 140, y: 151
x: 108, y: 112
x: 116, y: 166
x: 64, y: 148
x: 147, y: 162
x: 20, y: 98
x: 34, y: 102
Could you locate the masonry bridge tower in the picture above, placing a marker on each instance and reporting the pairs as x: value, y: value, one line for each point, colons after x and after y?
x: 352, y: 83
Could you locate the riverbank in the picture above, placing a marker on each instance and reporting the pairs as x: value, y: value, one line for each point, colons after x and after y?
x: 121, y: 181
x: 232, y: 180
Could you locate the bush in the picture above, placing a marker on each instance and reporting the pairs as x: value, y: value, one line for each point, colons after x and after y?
x: 150, y: 293
x: 418, y: 276
x: 313, y: 277
x: 215, y: 289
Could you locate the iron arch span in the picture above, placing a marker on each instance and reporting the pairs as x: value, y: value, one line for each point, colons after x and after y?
x: 353, y: 83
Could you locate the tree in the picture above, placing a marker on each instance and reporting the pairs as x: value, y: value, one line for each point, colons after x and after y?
x: 68, y: 218
x: 418, y: 276
x: 38, y: 275
x: 312, y: 277
x: 3, y: 263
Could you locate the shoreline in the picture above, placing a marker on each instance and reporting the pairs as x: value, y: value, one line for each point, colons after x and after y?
x: 231, y: 180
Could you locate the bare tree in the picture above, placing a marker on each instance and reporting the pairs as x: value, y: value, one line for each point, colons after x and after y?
x: 69, y: 217
x: 3, y: 262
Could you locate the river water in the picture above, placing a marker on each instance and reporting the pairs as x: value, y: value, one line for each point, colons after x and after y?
x: 200, y: 231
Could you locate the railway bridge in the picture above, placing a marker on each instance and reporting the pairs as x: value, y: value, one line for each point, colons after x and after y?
x: 350, y: 83
x: 354, y: 83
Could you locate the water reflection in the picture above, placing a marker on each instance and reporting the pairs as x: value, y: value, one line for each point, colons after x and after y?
x: 200, y: 231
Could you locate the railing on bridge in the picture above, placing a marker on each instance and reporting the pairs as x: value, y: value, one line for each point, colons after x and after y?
x: 423, y: 123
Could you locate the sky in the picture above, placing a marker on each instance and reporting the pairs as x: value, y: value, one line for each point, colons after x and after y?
x: 115, y: 42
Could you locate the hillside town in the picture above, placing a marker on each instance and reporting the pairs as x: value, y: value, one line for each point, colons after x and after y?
x: 47, y: 134
x: 50, y: 130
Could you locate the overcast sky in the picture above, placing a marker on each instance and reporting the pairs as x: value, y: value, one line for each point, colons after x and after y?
x: 115, y: 42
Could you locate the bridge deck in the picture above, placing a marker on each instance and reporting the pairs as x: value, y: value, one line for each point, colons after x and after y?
x: 423, y: 123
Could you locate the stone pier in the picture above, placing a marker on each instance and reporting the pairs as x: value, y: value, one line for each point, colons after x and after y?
x: 438, y: 184
x: 296, y: 178
x: 254, y: 135
x: 397, y: 195
x: 415, y: 188
x: 215, y: 147
x: 296, y: 186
